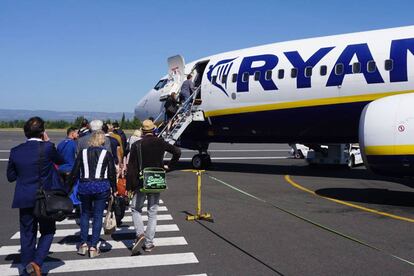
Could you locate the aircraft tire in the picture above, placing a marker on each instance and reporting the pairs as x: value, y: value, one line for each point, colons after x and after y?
x: 201, y: 161
x: 299, y: 155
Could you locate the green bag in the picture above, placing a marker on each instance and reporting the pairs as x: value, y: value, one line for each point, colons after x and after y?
x: 153, y: 179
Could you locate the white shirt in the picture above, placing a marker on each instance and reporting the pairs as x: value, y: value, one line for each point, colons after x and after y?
x: 35, y: 139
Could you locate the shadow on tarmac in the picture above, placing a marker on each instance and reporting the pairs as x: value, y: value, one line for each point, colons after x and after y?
x: 372, y: 196
x: 294, y: 170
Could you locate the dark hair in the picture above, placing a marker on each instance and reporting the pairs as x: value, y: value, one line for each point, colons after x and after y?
x: 71, y: 129
x: 151, y: 118
x: 84, y: 123
x: 34, y: 128
x: 115, y: 124
x: 189, y: 76
x: 105, y: 128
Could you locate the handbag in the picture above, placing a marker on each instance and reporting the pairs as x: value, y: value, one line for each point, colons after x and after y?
x: 119, y: 207
x: 153, y: 179
x: 52, y: 205
x: 109, y: 224
x: 121, y: 186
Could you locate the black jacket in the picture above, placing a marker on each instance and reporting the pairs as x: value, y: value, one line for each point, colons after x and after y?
x: 153, y: 149
x: 86, y: 170
x: 171, y: 106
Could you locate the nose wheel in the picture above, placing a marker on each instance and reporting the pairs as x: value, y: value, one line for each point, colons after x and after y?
x: 201, y: 161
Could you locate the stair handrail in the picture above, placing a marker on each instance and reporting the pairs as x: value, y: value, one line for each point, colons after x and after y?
x: 183, y: 108
x: 159, y: 116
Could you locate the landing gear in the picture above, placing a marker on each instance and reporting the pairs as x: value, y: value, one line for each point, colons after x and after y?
x: 299, y: 155
x: 351, y: 162
x: 201, y: 161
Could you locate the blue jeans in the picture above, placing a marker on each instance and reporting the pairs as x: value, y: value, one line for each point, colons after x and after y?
x: 30, y: 250
x: 92, y: 204
x: 136, y: 208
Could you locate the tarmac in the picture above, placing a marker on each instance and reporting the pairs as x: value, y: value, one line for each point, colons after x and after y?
x: 273, y: 215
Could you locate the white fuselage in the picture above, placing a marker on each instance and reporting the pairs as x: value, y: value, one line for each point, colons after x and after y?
x: 259, y: 104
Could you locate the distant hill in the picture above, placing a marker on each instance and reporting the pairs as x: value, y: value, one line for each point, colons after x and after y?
x: 18, y: 114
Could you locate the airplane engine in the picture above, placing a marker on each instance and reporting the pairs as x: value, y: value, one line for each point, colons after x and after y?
x: 386, y: 135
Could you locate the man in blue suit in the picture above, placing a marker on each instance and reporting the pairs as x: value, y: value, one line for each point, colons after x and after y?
x: 31, y: 165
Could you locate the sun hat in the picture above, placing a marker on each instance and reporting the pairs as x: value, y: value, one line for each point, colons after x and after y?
x: 148, y: 126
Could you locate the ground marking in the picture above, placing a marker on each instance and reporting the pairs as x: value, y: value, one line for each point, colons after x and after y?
x: 145, y: 209
x: 122, y: 230
x: 220, y: 158
x: 106, y: 263
x: 125, y: 219
x: 296, y: 185
x: 247, y: 150
x: 237, y: 158
x: 313, y: 222
x: 105, y: 245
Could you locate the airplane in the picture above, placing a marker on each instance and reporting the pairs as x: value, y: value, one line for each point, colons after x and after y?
x: 349, y: 88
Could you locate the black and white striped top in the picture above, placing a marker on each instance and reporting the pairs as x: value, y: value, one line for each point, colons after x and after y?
x: 94, y: 164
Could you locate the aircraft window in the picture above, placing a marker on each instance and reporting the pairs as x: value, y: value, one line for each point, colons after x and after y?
x: 224, y: 79
x: 268, y: 75
x: 214, y: 80
x: 256, y: 75
x: 294, y: 72
x: 356, y: 67
x: 324, y: 70
x: 161, y: 84
x: 281, y: 74
x: 339, y: 69
x: 371, y: 66
x: 389, y: 64
x: 245, y: 77
x: 308, y: 71
x: 234, y: 78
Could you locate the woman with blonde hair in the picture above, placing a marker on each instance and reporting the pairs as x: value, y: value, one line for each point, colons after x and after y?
x: 95, y: 169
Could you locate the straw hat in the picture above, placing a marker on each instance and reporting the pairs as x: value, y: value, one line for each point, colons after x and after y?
x: 148, y: 126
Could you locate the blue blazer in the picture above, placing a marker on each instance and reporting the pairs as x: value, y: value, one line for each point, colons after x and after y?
x: 23, y: 167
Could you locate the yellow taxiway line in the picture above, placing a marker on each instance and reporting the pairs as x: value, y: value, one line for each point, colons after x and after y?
x: 296, y: 185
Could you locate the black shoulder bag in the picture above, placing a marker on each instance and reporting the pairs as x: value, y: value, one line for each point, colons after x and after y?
x: 153, y: 179
x: 50, y: 205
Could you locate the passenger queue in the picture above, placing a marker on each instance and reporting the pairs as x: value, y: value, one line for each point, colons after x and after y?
x: 94, y: 165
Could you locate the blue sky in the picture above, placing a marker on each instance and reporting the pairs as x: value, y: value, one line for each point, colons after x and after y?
x: 101, y: 55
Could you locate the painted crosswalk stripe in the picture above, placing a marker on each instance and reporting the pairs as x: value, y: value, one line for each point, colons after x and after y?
x: 110, y: 245
x: 124, y: 220
x: 160, y: 201
x: 123, y: 230
x: 107, y: 263
x: 196, y: 275
x: 145, y: 209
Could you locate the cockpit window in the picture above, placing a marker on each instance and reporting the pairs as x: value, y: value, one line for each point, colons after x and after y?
x: 161, y: 84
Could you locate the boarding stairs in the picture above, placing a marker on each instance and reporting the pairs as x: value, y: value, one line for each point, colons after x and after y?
x: 186, y: 114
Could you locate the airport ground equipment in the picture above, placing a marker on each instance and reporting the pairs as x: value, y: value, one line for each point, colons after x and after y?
x: 186, y: 114
x: 335, y: 154
x: 199, y: 215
